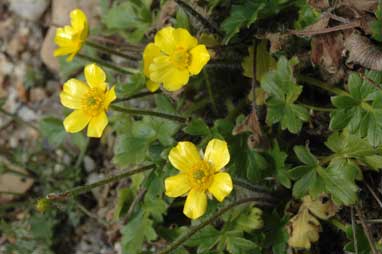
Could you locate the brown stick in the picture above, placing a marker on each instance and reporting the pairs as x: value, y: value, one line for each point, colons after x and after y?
x: 366, y: 230
x: 351, y: 25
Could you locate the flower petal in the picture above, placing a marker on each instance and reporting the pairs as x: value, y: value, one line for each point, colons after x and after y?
x: 152, y: 86
x: 72, y: 93
x: 97, y: 124
x: 95, y: 76
x: 184, y: 39
x: 78, y: 20
x: 196, y: 204
x: 151, y: 51
x: 184, y: 156
x: 110, y: 96
x: 75, y: 88
x: 199, y: 58
x: 217, y: 153
x: 76, y: 121
x: 177, y: 185
x: 164, y: 39
x: 221, y: 186
x: 163, y: 71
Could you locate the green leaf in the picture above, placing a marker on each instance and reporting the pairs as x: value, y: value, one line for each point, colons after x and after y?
x: 264, y: 61
x: 247, y: 12
x: 125, y: 195
x: 305, y: 156
x: 239, y: 245
x: 136, y: 232
x: 250, y: 220
x: 52, y: 129
x: 197, y: 127
x: 376, y: 26
x: 348, y: 146
x: 130, y: 150
x: 339, y: 184
x: 130, y: 19
x: 283, y: 91
x: 281, y: 171
x: 205, y: 239
x: 361, y: 110
x: 182, y: 19
x: 135, y: 83
x: 306, y: 15
x: 308, y: 180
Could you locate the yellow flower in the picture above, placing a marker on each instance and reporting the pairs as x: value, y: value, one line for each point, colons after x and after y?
x: 198, y: 176
x: 90, y: 102
x: 71, y: 38
x: 174, y: 56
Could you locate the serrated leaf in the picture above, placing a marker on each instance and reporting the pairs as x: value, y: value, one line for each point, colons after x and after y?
x: 283, y: 91
x: 361, y: 109
x: 53, y: 129
x: 136, y: 232
x: 197, y: 127
x: 130, y: 19
x: 130, y: 150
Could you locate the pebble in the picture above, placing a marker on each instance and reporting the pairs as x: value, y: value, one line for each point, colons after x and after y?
x: 29, y: 9
x: 89, y: 164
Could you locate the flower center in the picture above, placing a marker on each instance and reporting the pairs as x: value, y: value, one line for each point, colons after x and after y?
x: 180, y: 58
x: 92, y: 103
x: 200, y: 176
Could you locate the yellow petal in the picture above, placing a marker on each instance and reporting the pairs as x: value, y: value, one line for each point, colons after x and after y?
x: 164, y: 39
x: 110, y: 96
x: 78, y: 20
x: 75, y: 88
x: 217, y: 153
x: 76, y: 121
x: 64, y: 36
x: 184, y: 39
x: 70, y: 57
x: 177, y: 185
x: 199, y: 58
x: 184, y: 156
x: 95, y: 76
x: 221, y: 186
x: 62, y: 51
x: 152, y: 86
x: 97, y: 124
x: 196, y: 204
x: 72, y: 93
x: 151, y: 51
x: 163, y: 71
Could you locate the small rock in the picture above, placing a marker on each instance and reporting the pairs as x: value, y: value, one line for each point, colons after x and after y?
x: 29, y: 9
x: 89, y: 164
x: 27, y: 114
x: 46, y: 53
x: 37, y: 94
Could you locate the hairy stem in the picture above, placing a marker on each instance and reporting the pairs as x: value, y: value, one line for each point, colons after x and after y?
x: 112, y: 51
x: 316, y: 108
x: 193, y: 230
x: 314, y: 82
x: 205, y: 22
x: 123, y: 70
x: 138, y: 95
x: 85, y: 188
x: 210, y: 94
x: 149, y: 113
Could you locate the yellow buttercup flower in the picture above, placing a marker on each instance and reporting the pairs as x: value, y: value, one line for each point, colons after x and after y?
x: 70, y: 39
x: 172, y: 58
x: 198, y: 176
x: 90, y: 102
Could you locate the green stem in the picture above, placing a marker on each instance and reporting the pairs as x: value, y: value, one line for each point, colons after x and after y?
x: 338, y: 224
x: 111, y: 51
x: 123, y: 70
x: 249, y: 186
x: 149, y: 113
x: 210, y: 94
x: 193, y: 230
x: 85, y: 188
x: 315, y: 108
x: 314, y: 82
x: 138, y: 95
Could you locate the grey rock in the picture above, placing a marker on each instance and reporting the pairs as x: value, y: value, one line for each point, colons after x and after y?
x: 29, y: 9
